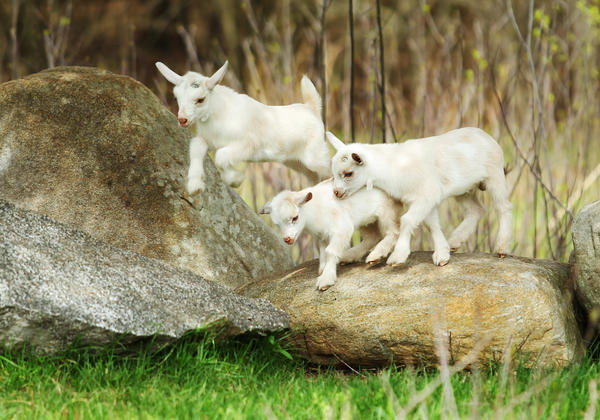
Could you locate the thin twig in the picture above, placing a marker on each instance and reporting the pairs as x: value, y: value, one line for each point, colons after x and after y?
x: 14, y: 39
x: 520, y: 152
x: 419, y: 397
x: 382, y: 72
x: 351, y: 19
x: 324, y: 7
x: 190, y: 45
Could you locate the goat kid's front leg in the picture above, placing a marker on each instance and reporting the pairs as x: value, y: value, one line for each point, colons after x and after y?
x: 195, y: 178
x: 333, y: 252
x: 229, y: 156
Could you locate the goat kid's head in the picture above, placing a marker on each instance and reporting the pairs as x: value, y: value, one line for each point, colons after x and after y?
x: 348, y: 167
x: 286, y: 212
x: 193, y: 92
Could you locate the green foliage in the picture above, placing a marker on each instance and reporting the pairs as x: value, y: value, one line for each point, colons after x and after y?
x: 254, y: 377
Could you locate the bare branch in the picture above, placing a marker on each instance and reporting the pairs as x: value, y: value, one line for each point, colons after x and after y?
x: 324, y: 5
x: 190, y: 45
x: 520, y: 152
x: 382, y: 72
x: 14, y: 39
x: 351, y: 19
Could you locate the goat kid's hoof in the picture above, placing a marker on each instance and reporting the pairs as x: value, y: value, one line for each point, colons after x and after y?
x: 374, y: 262
x: 395, y: 265
x: 324, y: 283
x: 501, y: 255
x: 443, y: 263
x: 454, y: 249
x: 194, y: 186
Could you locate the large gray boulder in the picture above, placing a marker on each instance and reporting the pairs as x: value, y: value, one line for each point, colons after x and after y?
x: 59, y: 285
x: 586, y: 258
x: 98, y: 151
x: 371, y: 317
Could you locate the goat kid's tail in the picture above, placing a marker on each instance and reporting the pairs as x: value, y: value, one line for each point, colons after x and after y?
x: 310, y: 96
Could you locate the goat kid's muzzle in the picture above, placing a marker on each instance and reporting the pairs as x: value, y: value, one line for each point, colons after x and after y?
x: 339, y: 193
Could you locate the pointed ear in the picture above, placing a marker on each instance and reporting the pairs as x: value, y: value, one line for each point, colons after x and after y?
x: 266, y: 209
x: 334, y: 141
x: 216, y: 77
x: 169, y: 74
x: 357, y: 159
x: 304, y: 199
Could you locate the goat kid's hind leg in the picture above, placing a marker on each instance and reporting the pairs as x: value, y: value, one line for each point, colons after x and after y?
x: 318, y: 162
x: 496, y: 185
x: 441, y: 249
x: 227, y: 157
x: 473, y: 211
x: 417, y: 212
x: 312, y: 177
x: 195, y: 178
x: 333, y: 252
x: 369, y: 237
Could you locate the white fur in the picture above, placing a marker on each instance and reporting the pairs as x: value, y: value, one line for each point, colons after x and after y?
x: 423, y: 172
x: 242, y: 129
x: 333, y: 223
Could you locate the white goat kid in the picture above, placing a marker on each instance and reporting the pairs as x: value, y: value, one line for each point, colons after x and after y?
x: 333, y: 223
x: 242, y: 129
x: 423, y: 172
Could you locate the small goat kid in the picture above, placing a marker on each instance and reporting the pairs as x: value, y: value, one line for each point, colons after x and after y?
x: 333, y: 223
x: 423, y: 172
x: 242, y: 129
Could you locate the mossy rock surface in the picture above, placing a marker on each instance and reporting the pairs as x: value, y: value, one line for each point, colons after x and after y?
x: 99, y: 151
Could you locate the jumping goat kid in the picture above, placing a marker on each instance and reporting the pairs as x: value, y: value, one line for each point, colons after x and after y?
x: 333, y: 223
x: 242, y: 129
x: 423, y: 172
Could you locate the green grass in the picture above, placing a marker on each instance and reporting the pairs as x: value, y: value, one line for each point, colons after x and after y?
x: 252, y: 378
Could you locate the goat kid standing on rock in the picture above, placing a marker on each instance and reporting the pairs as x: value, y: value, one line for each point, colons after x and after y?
x: 334, y: 221
x: 423, y: 172
x: 242, y: 129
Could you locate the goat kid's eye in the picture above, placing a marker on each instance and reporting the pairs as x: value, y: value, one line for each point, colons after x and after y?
x: 294, y: 219
x: 199, y: 101
x: 348, y: 174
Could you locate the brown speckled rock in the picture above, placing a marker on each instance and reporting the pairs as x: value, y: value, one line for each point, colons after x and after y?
x: 373, y: 316
x: 98, y: 151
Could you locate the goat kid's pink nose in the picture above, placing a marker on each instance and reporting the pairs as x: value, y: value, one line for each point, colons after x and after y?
x: 183, y: 122
x: 338, y: 193
x: 288, y: 240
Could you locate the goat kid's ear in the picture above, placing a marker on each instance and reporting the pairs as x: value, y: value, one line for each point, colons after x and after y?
x: 169, y: 74
x: 266, y: 209
x: 334, y: 141
x: 304, y: 199
x: 357, y: 159
x: 216, y: 78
